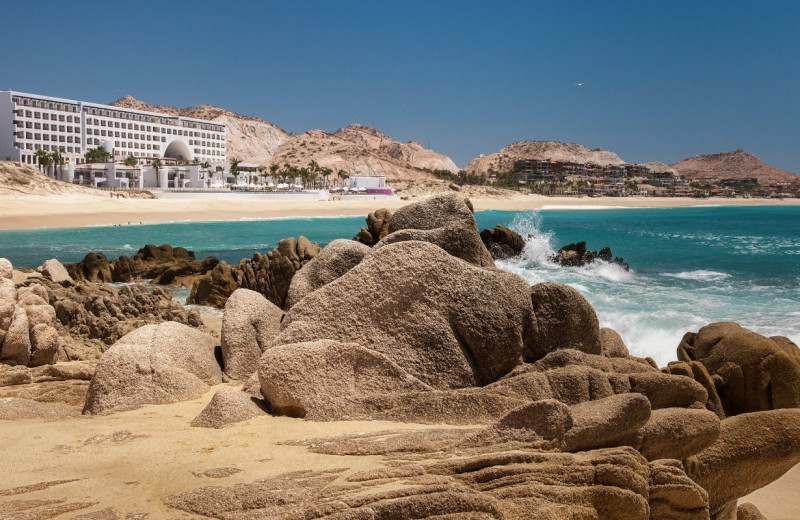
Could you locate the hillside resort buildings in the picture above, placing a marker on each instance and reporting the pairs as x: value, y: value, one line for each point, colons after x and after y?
x: 30, y: 122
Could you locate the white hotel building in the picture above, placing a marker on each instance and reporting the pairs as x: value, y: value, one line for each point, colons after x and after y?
x: 30, y: 122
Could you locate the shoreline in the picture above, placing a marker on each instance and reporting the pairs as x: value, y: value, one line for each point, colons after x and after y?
x: 33, y: 212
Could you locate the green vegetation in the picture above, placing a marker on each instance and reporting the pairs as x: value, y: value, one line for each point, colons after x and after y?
x: 96, y: 155
x: 130, y: 161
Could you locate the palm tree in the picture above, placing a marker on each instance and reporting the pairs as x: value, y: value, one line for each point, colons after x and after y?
x: 342, y: 175
x: 234, y: 169
x: 130, y: 161
x: 325, y: 173
x: 58, y: 160
x: 44, y: 160
x: 157, y: 164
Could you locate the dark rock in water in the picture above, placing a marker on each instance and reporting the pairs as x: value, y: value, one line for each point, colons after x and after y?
x: 163, y: 265
x: 94, y: 267
x: 270, y: 274
x: 576, y: 255
x: 502, y: 242
x: 377, y: 227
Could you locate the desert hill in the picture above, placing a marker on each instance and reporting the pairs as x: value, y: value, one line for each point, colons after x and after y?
x: 20, y: 180
x: 503, y: 160
x: 737, y: 164
x: 356, y: 149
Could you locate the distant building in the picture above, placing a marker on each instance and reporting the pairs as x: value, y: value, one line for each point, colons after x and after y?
x: 30, y: 122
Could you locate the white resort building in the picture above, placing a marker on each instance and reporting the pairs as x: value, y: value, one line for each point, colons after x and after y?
x: 30, y: 122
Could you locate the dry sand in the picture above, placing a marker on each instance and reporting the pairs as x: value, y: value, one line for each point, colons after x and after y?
x: 74, y: 211
x: 131, y: 460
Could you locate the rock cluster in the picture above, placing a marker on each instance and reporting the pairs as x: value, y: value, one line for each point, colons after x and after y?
x: 576, y: 255
x: 269, y: 274
x: 162, y: 264
x: 28, y: 334
x: 558, y: 419
x: 52, y: 317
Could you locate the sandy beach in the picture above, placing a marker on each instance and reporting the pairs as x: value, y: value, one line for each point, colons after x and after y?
x: 153, y: 452
x: 76, y: 211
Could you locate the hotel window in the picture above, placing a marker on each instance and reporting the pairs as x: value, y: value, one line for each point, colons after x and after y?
x: 45, y: 126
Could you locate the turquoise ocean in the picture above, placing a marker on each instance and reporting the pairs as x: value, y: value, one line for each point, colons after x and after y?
x: 689, y: 266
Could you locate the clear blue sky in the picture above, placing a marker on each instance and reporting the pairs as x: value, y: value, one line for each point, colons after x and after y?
x: 661, y: 80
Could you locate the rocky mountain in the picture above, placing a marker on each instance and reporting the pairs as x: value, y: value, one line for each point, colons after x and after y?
x: 357, y: 149
x: 362, y: 150
x: 732, y: 165
x: 503, y: 160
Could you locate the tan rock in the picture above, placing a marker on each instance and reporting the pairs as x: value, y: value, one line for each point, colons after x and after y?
x: 751, y: 451
x: 673, y: 495
x: 249, y: 325
x: 565, y: 320
x: 155, y: 364
x: 755, y: 373
x: 56, y: 271
x: 612, y: 345
x: 325, y: 380
x: 14, y: 408
x: 675, y: 433
x: 454, y: 326
x: 16, y: 348
x: 444, y: 220
x: 748, y: 511
x: 14, y: 375
x: 228, y: 407
x: 665, y: 390
x: 6, y: 269
x: 333, y: 261
x: 603, y: 422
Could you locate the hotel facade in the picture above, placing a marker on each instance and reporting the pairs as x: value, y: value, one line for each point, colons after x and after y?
x: 30, y: 122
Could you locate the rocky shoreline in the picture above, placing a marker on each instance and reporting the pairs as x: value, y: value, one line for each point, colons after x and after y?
x: 540, y: 412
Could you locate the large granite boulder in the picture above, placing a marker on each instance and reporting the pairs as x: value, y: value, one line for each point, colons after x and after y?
x: 454, y: 326
x: 326, y: 380
x: 444, y: 220
x: 249, y: 325
x: 333, y: 261
x: 752, y: 373
x: 156, y: 364
x: 565, y: 320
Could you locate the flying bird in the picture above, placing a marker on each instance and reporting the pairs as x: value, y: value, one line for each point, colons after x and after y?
x: 580, y: 84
